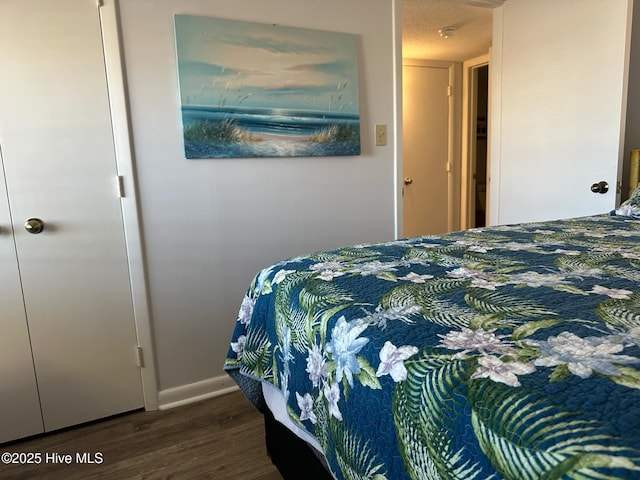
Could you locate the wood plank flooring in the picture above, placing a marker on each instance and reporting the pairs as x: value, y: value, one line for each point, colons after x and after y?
x: 221, y: 438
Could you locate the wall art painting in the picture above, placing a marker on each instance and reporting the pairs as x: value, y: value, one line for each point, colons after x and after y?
x: 263, y: 90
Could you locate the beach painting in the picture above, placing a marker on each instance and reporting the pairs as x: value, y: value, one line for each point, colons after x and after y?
x: 263, y: 90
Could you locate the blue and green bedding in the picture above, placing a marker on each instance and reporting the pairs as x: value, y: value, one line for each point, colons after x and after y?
x: 508, y: 352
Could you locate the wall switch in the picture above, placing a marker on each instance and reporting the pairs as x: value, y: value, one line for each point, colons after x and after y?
x: 381, y: 135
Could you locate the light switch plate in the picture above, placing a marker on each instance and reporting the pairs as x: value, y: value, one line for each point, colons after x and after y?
x: 381, y: 135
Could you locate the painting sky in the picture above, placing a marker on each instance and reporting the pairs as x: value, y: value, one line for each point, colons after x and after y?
x: 225, y: 63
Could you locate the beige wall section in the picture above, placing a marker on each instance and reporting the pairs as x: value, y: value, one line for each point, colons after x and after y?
x: 209, y: 225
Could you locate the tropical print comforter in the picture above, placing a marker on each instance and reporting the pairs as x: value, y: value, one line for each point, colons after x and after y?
x: 509, y: 352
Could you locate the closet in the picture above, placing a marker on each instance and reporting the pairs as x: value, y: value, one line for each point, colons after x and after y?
x: 68, y: 338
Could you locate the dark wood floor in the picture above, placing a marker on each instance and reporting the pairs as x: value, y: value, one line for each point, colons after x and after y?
x: 221, y: 438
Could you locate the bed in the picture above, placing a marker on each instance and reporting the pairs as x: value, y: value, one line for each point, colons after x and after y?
x: 508, y: 352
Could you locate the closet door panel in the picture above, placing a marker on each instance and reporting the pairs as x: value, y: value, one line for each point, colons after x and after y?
x: 19, y: 405
x: 60, y: 168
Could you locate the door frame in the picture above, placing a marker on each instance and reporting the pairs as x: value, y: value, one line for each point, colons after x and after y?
x: 118, y: 100
x: 454, y: 144
x: 469, y: 103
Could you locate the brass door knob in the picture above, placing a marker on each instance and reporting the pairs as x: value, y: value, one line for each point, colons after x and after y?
x: 34, y: 225
x: 408, y: 181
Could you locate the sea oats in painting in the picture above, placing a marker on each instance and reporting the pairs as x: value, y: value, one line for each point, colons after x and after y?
x: 262, y: 90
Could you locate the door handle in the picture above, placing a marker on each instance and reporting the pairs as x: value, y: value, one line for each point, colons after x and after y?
x: 34, y: 225
x: 408, y: 181
x: 600, y: 187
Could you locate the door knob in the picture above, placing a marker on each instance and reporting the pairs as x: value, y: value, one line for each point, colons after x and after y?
x: 408, y: 181
x: 600, y: 187
x: 34, y: 225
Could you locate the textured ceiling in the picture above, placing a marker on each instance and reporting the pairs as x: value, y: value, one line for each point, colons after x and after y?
x: 421, y: 20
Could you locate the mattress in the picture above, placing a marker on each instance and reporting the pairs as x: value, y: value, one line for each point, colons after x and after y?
x: 277, y: 404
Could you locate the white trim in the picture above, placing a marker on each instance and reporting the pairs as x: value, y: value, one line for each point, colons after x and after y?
x: 195, y: 392
x: 494, y: 133
x: 125, y: 165
x: 397, y: 115
x: 454, y: 147
x: 467, y: 200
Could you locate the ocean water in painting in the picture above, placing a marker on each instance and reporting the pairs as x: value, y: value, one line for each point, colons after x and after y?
x: 218, y: 132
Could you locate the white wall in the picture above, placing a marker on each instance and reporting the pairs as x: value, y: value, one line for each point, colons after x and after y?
x: 209, y: 225
x: 558, y: 93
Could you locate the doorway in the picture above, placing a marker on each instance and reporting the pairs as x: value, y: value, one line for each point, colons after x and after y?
x: 480, y: 149
x: 475, y: 152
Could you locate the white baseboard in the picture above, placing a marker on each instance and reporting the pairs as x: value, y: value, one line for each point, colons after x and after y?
x: 194, y: 392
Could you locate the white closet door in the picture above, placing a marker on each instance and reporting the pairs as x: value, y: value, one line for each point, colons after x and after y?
x: 60, y: 167
x: 19, y: 404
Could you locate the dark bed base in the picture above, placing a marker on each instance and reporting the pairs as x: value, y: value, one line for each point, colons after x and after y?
x: 293, y: 457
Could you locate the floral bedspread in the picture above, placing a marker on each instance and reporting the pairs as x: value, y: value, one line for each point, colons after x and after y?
x: 506, y: 352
